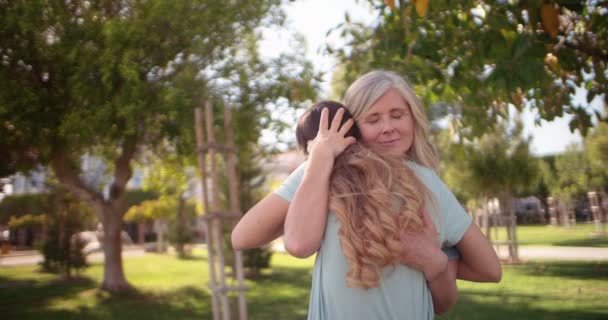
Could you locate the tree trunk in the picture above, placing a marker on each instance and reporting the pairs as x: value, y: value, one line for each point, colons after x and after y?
x: 140, y: 233
x: 508, y: 214
x: 553, y: 210
x: 181, y: 226
x: 563, y: 212
x: 113, y: 273
x: 159, y: 226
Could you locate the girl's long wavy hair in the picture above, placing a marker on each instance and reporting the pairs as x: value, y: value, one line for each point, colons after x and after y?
x: 374, y: 197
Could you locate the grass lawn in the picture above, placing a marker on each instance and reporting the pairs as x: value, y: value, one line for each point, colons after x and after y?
x: 538, y: 290
x: 176, y: 289
x: 579, y: 235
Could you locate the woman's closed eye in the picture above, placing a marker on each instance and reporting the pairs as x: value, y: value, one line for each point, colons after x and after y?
x: 372, y: 119
x: 398, y: 114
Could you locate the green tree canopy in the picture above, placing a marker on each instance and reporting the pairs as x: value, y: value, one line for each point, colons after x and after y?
x: 110, y: 77
x: 25, y: 204
x: 475, y: 57
x: 161, y: 209
x: 596, y: 152
x: 499, y: 162
x: 572, y: 179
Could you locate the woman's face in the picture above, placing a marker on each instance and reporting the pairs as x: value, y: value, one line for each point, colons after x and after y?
x: 388, y: 124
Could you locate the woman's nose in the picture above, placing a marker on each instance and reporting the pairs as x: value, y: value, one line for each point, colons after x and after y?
x: 387, y: 126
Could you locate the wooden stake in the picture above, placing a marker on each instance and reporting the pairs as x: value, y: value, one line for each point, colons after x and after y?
x: 216, y: 225
x: 202, y: 167
x: 233, y: 187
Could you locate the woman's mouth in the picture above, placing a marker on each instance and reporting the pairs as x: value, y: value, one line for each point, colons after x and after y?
x: 388, y: 142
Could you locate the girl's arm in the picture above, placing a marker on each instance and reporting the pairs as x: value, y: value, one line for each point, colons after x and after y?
x: 265, y: 221
x: 444, y: 291
x: 307, y: 213
x: 421, y: 252
x: 479, y: 261
x: 261, y: 224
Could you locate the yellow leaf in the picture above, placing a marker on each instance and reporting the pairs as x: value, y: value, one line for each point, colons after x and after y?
x: 549, y: 15
x: 391, y: 4
x: 551, y: 61
x: 422, y: 7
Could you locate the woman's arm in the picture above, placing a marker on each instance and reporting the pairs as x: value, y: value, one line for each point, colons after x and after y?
x: 261, y: 224
x: 479, y: 261
x: 307, y: 213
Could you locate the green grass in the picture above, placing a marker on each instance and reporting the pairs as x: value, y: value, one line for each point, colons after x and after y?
x: 169, y: 288
x: 538, y: 290
x: 579, y: 235
x: 176, y: 289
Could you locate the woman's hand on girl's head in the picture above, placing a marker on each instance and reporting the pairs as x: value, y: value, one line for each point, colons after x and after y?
x: 330, y: 140
x: 420, y: 249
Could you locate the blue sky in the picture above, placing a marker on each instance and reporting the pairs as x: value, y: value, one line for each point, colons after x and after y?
x: 313, y: 18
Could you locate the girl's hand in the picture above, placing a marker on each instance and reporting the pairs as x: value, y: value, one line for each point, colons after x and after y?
x: 330, y: 140
x: 421, y: 251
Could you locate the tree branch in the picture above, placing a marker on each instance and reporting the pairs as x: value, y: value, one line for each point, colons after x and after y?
x: 68, y: 177
x: 589, y: 50
x: 122, y: 170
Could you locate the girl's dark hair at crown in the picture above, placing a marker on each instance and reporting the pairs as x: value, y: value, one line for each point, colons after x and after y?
x: 308, y: 125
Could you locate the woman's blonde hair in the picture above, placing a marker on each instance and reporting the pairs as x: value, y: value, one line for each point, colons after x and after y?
x: 366, y: 90
x: 374, y: 197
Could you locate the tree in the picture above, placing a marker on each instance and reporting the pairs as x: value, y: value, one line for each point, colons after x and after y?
x: 477, y: 57
x: 169, y: 176
x: 252, y: 84
x: 16, y: 206
x: 596, y: 153
x: 573, y: 173
x: 498, y: 164
x: 62, y: 248
x: 162, y: 211
x: 569, y: 180
x: 56, y: 217
x: 107, y: 78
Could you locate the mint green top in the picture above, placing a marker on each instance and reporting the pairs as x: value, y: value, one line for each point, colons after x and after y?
x: 403, y: 293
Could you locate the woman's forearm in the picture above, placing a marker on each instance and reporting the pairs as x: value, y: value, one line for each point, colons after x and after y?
x: 307, y: 213
x: 479, y: 261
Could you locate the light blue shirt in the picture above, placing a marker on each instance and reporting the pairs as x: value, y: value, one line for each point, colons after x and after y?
x: 403, y: 293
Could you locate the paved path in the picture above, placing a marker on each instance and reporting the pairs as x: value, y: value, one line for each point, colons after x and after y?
x: 525, y: 253
x: 558, y: 253
x: 31, y: 257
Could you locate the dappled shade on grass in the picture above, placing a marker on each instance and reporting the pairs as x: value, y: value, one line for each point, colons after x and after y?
x: 170, y: 288
x: 538, y: 290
